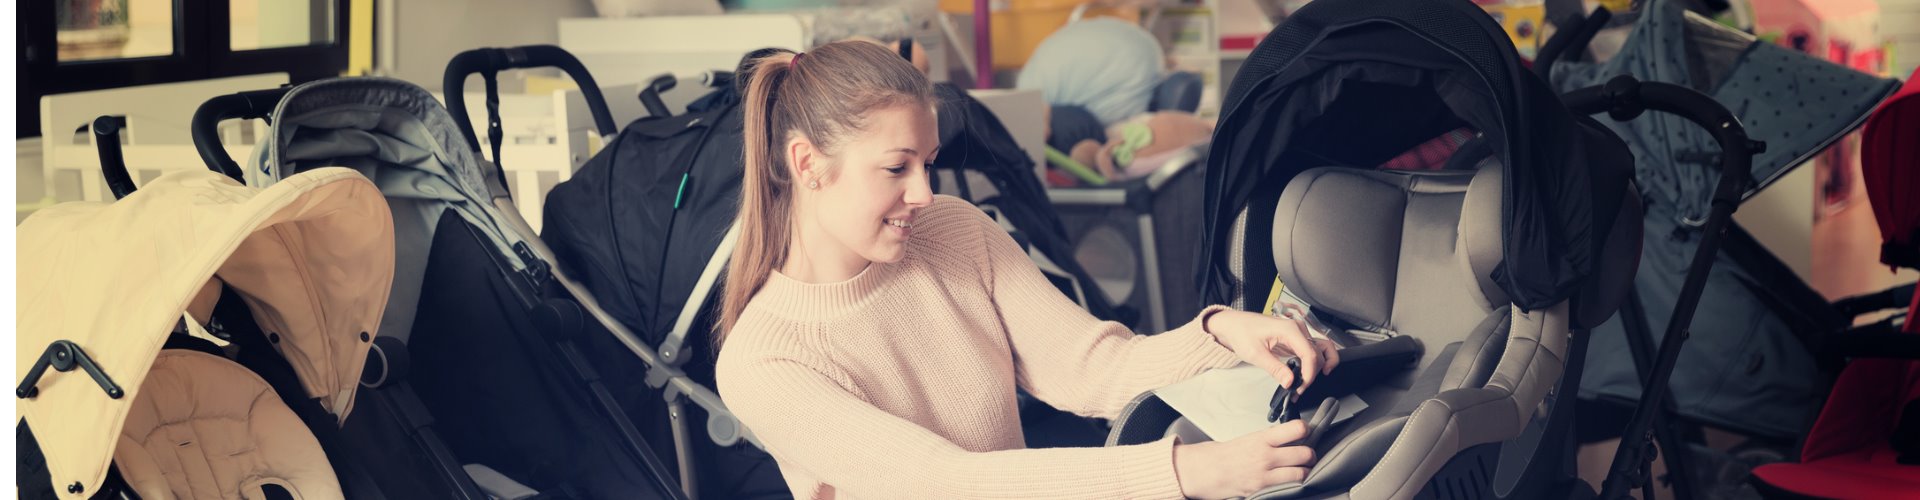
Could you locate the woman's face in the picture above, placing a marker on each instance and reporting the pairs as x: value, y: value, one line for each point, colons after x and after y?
x: 878, y: 181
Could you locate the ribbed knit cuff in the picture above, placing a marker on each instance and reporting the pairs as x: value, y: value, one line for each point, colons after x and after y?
x: 1212, y: 353
x: 1147, y: 470
x: 1163, y: 359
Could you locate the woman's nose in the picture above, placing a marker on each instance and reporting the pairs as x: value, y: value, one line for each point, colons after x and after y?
x: 919, y: 191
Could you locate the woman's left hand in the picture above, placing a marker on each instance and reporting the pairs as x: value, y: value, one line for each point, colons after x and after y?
x: 1264, y: 341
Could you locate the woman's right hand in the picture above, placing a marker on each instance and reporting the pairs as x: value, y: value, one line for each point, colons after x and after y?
x: 1245, y: 465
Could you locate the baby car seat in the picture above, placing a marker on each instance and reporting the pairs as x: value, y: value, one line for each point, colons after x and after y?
x: 1412, y: 254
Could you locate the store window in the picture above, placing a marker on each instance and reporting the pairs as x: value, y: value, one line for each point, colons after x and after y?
x: 92, y: 30
x: 269, y: 24
x: 79, y: 45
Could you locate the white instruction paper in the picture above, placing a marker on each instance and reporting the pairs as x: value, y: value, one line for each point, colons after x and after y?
x: 1227, y: 403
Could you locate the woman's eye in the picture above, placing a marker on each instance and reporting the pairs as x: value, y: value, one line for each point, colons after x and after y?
x: 897, y: 169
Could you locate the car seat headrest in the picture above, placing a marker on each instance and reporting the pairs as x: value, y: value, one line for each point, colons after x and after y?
x: 1391, y: 250
x: 1480, y: 237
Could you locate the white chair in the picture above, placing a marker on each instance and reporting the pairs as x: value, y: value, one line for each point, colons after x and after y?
x: 575, y: 121
x: 156, y: 138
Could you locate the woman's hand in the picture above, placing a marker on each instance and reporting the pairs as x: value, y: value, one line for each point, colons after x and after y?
x: 1243, y: 466
x: 1263, y: 341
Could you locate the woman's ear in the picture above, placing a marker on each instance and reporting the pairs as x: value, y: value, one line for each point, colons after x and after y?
x: 801, y: 161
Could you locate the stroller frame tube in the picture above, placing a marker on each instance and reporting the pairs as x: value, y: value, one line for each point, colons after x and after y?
x: 670, y: 348
x: 676, y: 386
x: 1625, y: 98
x: 255, y: 104
x: 113, y: 162
x: 488, y: 61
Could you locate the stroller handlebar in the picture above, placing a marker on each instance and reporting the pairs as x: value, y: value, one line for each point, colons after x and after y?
x: 487, y: 61
x: 113, y: 163
x: 1625, y: 98
x: 1576, y: 33
x: 254, y: 104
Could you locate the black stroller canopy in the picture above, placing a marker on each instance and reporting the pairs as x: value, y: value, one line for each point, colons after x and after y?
x: 1357, y: 83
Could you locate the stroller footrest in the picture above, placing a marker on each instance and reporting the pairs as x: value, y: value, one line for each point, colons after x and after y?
x: 497, y: 485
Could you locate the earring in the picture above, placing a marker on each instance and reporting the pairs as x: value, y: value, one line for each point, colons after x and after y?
x: 814, y: 184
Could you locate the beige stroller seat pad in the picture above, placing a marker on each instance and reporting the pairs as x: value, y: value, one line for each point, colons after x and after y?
x: 204, y: 427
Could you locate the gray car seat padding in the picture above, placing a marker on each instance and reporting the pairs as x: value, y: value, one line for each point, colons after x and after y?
x: 1398, y: 446
x: 1390, y: 251
x: 1359, y: 444
x: 1396, y: 261
x: 1412, y: 254
x: 1460, y: 418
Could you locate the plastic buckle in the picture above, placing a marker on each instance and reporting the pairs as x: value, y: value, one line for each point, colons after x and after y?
x: 537, y: 270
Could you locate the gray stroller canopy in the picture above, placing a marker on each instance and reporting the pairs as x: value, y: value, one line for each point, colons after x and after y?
x: 1796, y: 103
x: 398, y: 135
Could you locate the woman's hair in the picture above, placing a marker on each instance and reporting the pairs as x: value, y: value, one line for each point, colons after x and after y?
x: 822, y: 95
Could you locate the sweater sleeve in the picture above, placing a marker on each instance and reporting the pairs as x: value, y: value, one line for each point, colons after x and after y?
x: 811, y: 423
x: 1073, y: 361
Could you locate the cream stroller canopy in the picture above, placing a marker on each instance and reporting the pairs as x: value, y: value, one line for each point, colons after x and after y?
x: 101, y: 286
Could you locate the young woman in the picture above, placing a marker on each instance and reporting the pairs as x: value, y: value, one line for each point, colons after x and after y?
x: 874, y: 334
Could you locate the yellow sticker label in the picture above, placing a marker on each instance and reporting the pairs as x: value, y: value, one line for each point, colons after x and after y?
x: 1273, y: 298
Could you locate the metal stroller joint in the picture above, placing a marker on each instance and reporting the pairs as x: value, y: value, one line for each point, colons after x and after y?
x: 64, y: 355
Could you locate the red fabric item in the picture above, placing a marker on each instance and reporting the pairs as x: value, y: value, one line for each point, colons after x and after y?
x: 1890, y: 162
x: 1848, y: 453
x: 1844, y: 480
x: 1056, y: 178
x: 1863, y: 409
x: 1431, y: 155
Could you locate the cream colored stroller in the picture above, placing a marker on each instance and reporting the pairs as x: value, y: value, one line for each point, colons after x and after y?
x: 124, y: 394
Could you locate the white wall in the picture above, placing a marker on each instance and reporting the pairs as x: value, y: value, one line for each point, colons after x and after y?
x: 431, y: 31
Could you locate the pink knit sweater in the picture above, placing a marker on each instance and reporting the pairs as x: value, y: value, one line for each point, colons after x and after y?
x: 899, y: 383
